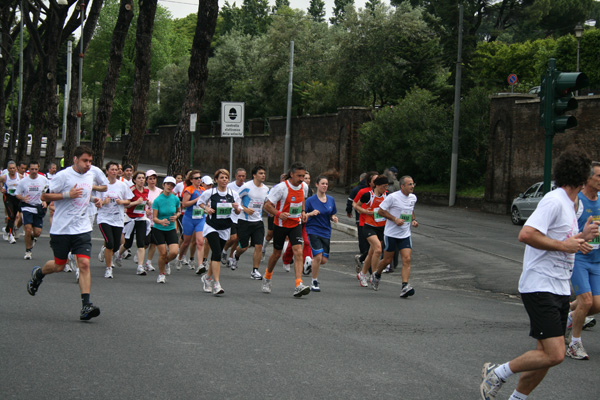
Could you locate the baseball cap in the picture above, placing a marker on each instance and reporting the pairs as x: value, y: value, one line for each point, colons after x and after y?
x: 169, y: 179
x: 151, y: 172
x: 207, y: 180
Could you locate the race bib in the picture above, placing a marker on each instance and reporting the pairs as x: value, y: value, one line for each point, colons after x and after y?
x: 12, y: 191
x: 139, y: 209
x: 376, y: 216
x: 295, y: 210
x: 197, y: 212
x: 224, y: 210
x: 406, y: 217
x: 256, y: 205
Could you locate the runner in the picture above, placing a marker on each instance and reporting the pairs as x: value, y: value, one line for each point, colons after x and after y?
x: 240, y: 178
x: 9, y: 183
x: 207, y: 183
x: 193, y: 219
x: 251, y: 229
x: 165, y: 210
x: 373, y: 228
x: 178, y: 191
x: 218, y: 204
x: 270, y: 219
x: 110, y: 216
x: 128, y: 175
x: 51, y: 172
x: 71, y: 232
x: 29, y: 192
x: 153, y: 193
x: 138, y: 226
x: 320, y: 211
x: 398, y: 209
x: 286, y: 202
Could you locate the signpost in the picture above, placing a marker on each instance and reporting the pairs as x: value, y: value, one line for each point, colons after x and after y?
x: 193, y: 120
x: 232, y: 124
x: 512, y: 81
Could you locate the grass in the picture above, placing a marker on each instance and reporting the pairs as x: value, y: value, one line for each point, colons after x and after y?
x: 475, y: 191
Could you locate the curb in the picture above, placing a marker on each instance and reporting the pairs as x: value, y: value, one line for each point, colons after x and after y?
x: 347, y: 229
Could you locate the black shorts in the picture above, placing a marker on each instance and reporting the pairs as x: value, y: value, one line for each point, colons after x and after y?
x: 270, y: 222
x: 319, y: 245
x: 216, y: 245
x: 253, y: 232
x: 35, y: 220
x: 79, y: 244
x: 234, y: 229
x: 161, y: 237
x: 293, y: 234
x: 547, y: 312
x: 370, y: 230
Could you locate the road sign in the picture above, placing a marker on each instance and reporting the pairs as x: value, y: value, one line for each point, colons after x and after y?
x: 512, y: 79
x: 193, y: 119
x: 232, y: 119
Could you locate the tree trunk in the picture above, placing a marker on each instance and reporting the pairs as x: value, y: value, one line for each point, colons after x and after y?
x: 7, y: 17
x: 208, y: 11
x: 141, y: 81
x: 109, y: 87
x: 30, y: 87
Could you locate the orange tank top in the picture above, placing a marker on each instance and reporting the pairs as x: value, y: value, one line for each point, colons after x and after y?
x: 292, y: 204
x: 373, y: 205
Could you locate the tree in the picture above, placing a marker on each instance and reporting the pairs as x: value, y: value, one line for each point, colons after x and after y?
x: 317, y: 10
x: 339, y: 11
x: 197, y: 74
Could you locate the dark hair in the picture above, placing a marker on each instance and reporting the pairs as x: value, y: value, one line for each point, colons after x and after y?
x: 127, y: 166
x: 22, y: 163
x: 34, y: 162
x: 370, y: 176
x: 188, y: 178
x: 136, y: 173
x: 319, y: 179
x: 257, y: 168
x: 81, y: 150
x: 381, y: 180
x: 572, y: 168
x: 110, y: 164
x: 295, y: 167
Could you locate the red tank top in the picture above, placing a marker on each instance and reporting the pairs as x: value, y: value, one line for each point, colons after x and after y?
x: 373, y: 205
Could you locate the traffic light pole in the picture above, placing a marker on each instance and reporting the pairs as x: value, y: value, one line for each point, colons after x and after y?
x: 548, y: 117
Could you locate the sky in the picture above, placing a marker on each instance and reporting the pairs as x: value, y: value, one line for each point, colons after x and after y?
x: 182, y: 8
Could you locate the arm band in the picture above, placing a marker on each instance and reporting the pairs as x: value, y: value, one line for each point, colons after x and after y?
x: 277, y: 214
x: 66, y: 195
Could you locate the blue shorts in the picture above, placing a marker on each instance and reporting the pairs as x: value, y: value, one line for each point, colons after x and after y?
x: 586, y: 278
x: 392, y: 244
x: 191, y: 225
x: 36, y: 220
x: 319, y: 244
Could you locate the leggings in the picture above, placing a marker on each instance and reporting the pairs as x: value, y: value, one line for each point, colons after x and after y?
x: 216, y: 245
x: 140, y: 235
x: 11, y: 205
x: 112, y: 236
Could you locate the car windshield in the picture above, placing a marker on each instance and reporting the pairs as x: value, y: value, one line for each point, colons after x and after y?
x: 532, y: 190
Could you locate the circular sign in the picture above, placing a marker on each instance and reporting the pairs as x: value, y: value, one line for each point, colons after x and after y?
x: 512, y: 79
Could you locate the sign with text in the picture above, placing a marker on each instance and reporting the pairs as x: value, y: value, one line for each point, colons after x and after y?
x: 232, y: 119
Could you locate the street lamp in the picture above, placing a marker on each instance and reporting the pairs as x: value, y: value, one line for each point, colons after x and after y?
x: 578, y: 35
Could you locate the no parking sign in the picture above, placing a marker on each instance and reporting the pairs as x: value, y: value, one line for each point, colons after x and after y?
x: 512, y: 79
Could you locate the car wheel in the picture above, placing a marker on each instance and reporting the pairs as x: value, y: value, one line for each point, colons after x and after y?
x: 515, y: 216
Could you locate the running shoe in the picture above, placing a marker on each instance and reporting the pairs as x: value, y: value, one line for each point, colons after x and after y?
x: 161, y: 278
x: 407, y: 291
x: 286, y: 267
x: 11, y: 239
x: 232, y: 263
x: 202, y: 268
x: 168, y: 269
x: 301, y: 290
x: 16, y: 233
x: 490, y: 382
x: 255, y: 275
x: 101, y: 254
x: 27, y: 255
x: 207, y: 283
x: 148, y: 266
x: 68, y: 268
x: 315, y: 286
x: 178, y: 264
x: 375, y: 282
x: 135, y: 258
x: 141, y: 270
x: 307, y: 267
x: 359, y: 265
x: 34, y: 283
x: 117, y: 259
x: 33, y: 242
x: 108, y: 273
x: 577, y: 352
x: 388, y: 269
x: 589, y: 322
x: 217, y: 289
x: 362, y: 279
x: 264, y: 253
x: 73, y: 264
x: 88, y: 312
x: 266, y: 286
x: 5, y: 234
x: 127, y: 254
x: 77, y: 275
x: 191, y: 264
x: 224, y: 258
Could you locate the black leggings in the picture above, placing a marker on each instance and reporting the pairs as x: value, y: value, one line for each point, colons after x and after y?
x: 216, y: 245
x: 139, y: 231
x: 11, y: 205
x: 112, y: 236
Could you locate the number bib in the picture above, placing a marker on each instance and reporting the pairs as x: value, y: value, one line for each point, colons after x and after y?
x: 406, y: 217
x: 376, y: 216
x: 256, y: 205
x: 12, y: 191
x: 224, y: 210
x: 197, y: 212
x: 139, y: 209
x: 295, y: 210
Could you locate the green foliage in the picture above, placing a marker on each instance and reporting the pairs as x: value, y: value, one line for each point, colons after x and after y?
x: 339, y: 10
x: 317, y: 10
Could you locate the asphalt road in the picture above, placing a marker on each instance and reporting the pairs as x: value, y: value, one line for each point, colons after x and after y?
x: 174, y: 341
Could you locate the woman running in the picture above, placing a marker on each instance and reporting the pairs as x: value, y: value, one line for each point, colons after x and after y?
x: 320, y: 211
x: 165, y: 210
x: 153, y: 193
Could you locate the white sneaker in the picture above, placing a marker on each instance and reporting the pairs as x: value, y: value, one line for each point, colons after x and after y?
x: 11, y: 239
x: 232, y: 264
x: 191, y: 264
x: 33, y: 242
x: 68, y: 268
x: 168, y: 269
x: 73, y: 264
x: 76, y: 274
x: 178, y: 264
x: 117, y: 259
x: 264, y: 253
x: 207, y: 283
x: 202, y: 268
x: 307, y: 267
x: 101, y: 254
x: 27, y: 255
x: 127, y: 254
x: 108, y: 273
x: 255, y: 275
x: 286, y: 267
x: 148, y: 266
x: 16, y: 233
x: 135, y: 259
x: 217, y: 289
x: 4, y: 234
x: 140, y: 270
x: 224, y: 258
x: 266, y: 286
x: 161, y: 278
x: 363, y: 279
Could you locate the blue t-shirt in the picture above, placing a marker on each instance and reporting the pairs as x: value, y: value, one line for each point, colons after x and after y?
x: 167, y: 206
x: 320, y: 225
x: 586, y: 209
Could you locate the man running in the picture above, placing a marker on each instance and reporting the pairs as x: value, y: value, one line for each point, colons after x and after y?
x: 8, y: 184
x: 71, y: 231
x: 33, y: 209
x: 286, y: 202
x: 552, y: 237
x: 236, y: 186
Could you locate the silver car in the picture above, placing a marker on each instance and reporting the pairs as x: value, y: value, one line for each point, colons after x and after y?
x: 523, y: 206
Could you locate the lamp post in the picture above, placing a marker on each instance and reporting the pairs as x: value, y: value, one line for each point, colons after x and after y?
x: 578, y: 35
x: 79, y: 113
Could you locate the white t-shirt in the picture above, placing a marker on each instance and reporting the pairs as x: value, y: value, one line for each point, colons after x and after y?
x: 550, y: 271
x: 112, y: 213
x: 99, y: 174
x: 400, y: 206
x: 50, y: 176
x: 34, y: 189
x: 70, y: 215
x: 236, y: 189
x: 253, y: 197
x: 205, y: 199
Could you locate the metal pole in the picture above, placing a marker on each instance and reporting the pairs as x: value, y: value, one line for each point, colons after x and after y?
x: 578, y: 42
x: 548, y: 126
x: 158, y: 94
x: 20, y: 74
x: 454, y: 164
x: 230, y: 156
x: 288, y: 122
x: 67, y: 91
x: 79, y: 114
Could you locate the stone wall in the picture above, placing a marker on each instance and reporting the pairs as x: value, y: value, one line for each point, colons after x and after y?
x: 516, y: 144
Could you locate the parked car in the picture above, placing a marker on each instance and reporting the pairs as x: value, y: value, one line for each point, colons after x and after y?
x: 29, y: 141
x: 524, y: 205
